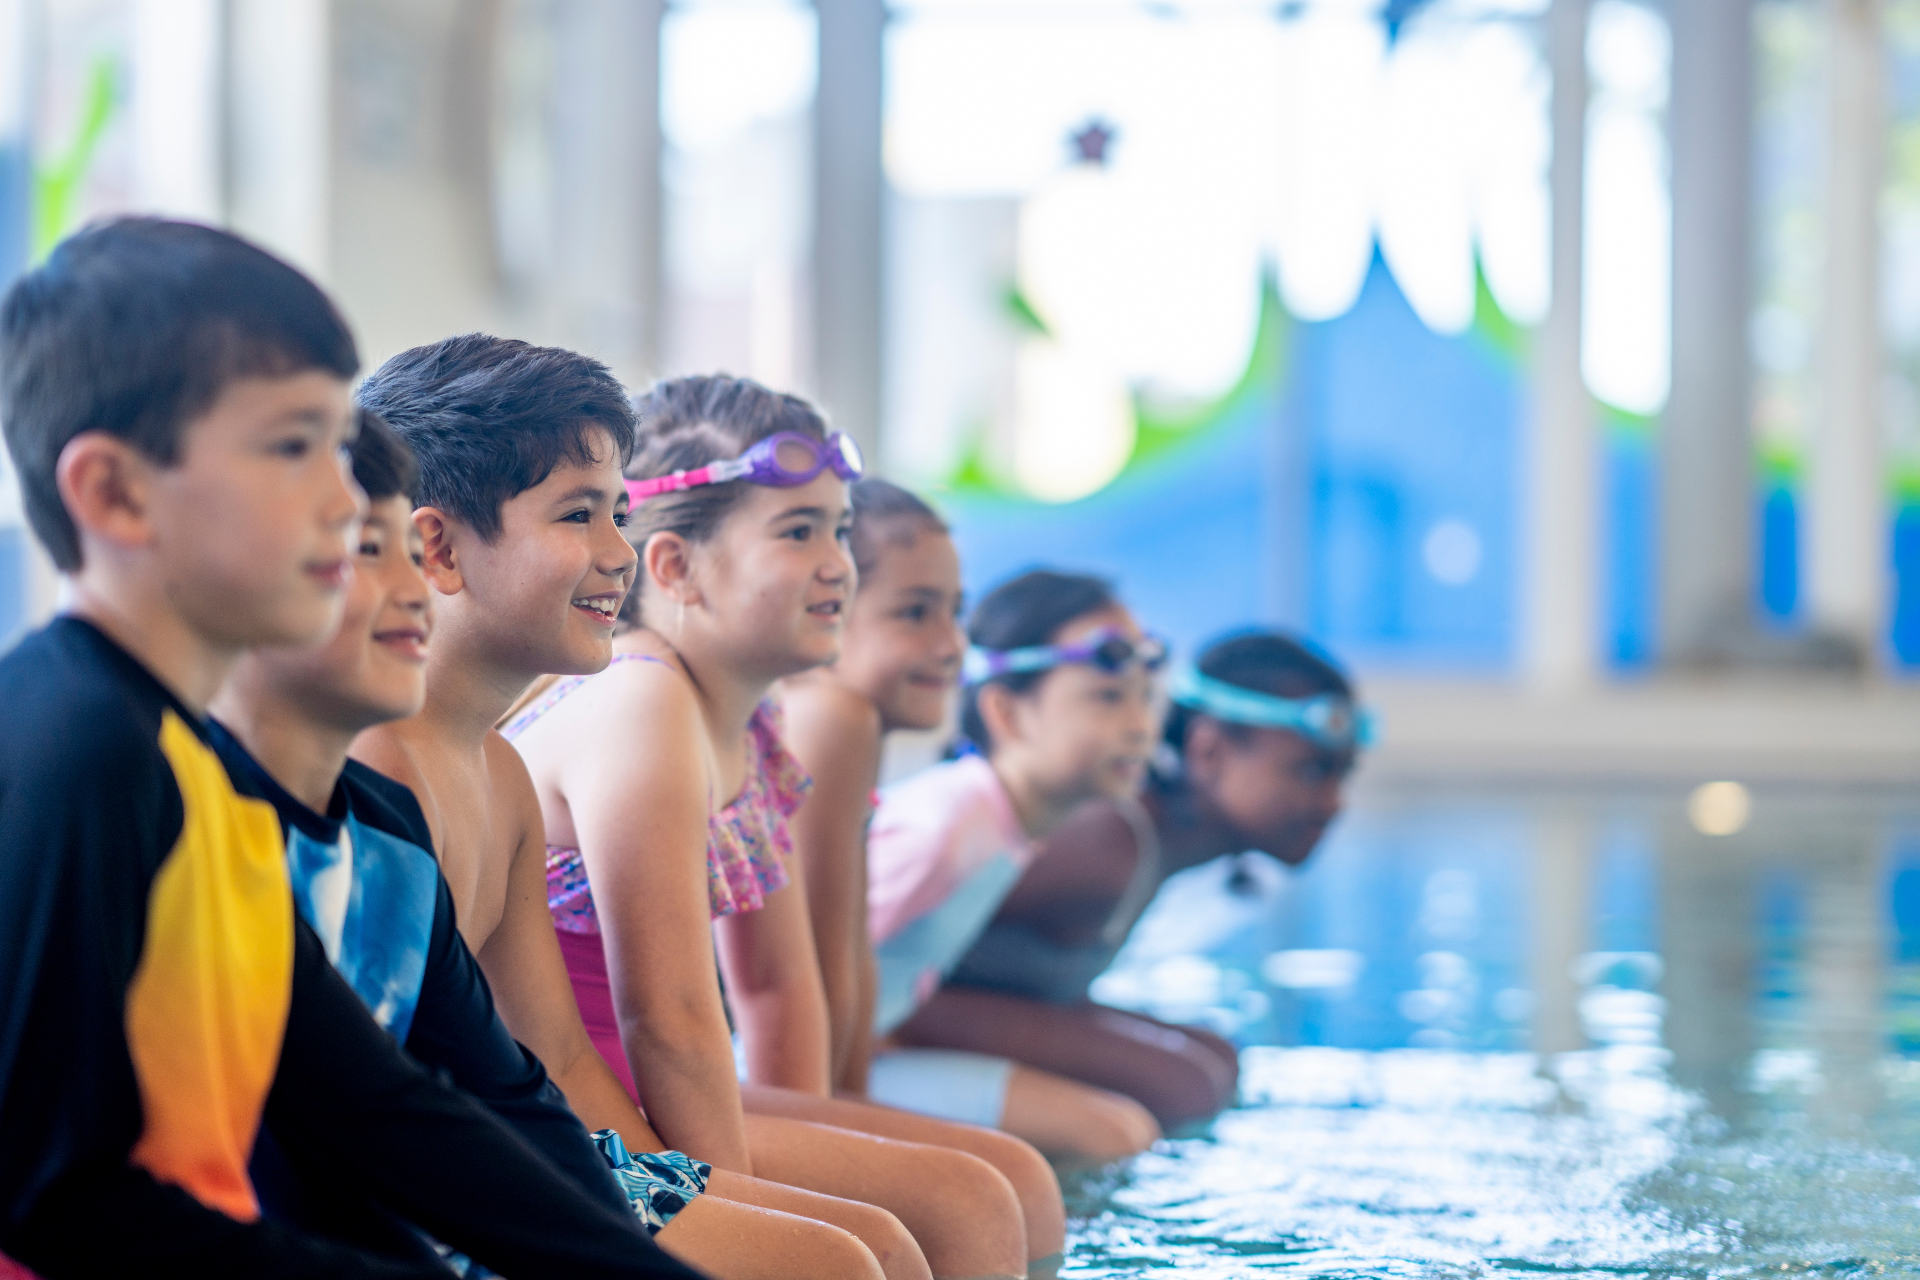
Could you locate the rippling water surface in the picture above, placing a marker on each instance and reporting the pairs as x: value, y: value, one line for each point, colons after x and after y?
x: 1742, y: 1097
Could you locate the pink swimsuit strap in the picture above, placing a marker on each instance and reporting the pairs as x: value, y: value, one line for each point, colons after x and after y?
x: 561, y: 688
x: 748, y: 839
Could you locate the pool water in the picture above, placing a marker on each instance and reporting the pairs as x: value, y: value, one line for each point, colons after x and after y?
x: 1492, y: 1031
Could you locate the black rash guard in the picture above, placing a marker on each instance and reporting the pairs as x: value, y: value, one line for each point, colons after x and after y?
x: 453, y: 1027
x: 163, y: 1001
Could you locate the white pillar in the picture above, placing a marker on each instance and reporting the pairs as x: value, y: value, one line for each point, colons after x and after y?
x: 178, y: 58
x: 279, y: 136
x: 1562, y: 582
x: 604, y: 143
x: 1706, y: 439
x: 1845, y: 527
x: 848, y: 231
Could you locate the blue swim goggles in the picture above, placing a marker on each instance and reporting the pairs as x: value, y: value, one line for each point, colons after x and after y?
x: 1327, y: 720
x: 1107, y: 649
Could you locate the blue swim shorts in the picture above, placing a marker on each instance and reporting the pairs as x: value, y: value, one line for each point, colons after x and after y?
x: 948, y: 1084
x: 659, y: 1184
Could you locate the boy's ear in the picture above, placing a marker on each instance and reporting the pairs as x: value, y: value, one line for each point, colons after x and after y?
x: 103, y: 484
x: 1000, y: 711
x: 439, y: 559
x: 666, y: 559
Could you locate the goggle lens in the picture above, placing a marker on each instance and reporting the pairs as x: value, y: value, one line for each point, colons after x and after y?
x: 1116, y: 653
x: 795, y: 457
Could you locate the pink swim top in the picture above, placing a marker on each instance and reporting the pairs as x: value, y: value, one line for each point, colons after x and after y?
x: 748, y: 841
x: 932, y: 833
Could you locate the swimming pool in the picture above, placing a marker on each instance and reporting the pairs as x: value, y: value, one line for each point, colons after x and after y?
x: 1731, y: 1025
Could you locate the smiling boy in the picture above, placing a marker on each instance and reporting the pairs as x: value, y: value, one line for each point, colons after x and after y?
x: 521, y: 510
x: 358, y: 847
x: 175, y: 403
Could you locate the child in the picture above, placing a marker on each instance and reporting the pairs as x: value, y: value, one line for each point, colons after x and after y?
x: 520, y: 509
x: 900, y: 660
x: 1262, y: 735
x: 175, y: 403
x: 357, y: 851
x: 1060, y: 697
x: 667, y: 791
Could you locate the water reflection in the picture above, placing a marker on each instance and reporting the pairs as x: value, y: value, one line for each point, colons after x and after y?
x: 1531, y: 1030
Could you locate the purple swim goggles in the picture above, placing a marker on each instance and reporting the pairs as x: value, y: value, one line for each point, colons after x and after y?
x: 782, y: 460
x: 1107, y: 649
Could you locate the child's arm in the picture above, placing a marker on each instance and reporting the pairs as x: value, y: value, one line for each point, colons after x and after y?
x: 774, y: 984
x: 524, y: 967
x: 348, y: 1104
x: 639, y: 804
x: 835, y: 734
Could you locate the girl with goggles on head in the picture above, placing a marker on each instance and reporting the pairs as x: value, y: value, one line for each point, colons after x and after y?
x: 898, y: 669
x: 1261, y: 736
x: 1060, y: 701
x: 667, y: 792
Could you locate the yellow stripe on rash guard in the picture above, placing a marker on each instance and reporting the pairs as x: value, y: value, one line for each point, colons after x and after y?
x: 208, y: 1004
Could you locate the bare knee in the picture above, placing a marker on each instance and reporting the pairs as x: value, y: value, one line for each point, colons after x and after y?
x: 886, y: 1238
x: 1034, y: 1183
x: 982, y: 1200
x: 842, y: 1253
x: 1116, y: 1127
x: 1187, y: 1087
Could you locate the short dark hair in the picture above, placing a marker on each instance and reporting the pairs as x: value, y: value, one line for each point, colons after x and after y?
x: 134, y: 327
x: 687, y: 423
x: 1274, y: 662
x: 1026, y: 610
x: 877, y: 502
x: 488, y: 418
x: 383, y: 466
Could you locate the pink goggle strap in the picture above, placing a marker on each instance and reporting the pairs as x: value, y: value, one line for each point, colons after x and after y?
x: 641, y: 490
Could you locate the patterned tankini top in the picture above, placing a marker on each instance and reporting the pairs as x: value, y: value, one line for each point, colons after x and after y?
x: 748, y: 841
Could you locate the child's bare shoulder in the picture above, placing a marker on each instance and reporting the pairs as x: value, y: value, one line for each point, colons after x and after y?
x: 655, y: 684
x: 385, y: 749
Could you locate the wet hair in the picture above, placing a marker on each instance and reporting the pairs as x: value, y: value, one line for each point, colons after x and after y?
x: 1266, y: 662
x: 877, y: 503
x: 488, y: 418
x: 134, y: 327
x: 1026, y: 610
x: 383, y: 466
x: 687, y: 423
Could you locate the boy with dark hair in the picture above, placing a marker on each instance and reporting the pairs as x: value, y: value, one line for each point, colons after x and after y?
x: 175, y: 401
x: 357, y: 845
x: 521, y: 506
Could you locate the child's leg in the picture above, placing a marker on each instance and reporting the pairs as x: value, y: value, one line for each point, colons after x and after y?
x: 882, y: 1233
x: 1177, y: 1074
x: 743, y: 1242
x: 1064, y: 1118
x: 1073, y: 1121
x: 959, y: 1208
x: 1033, y: 1181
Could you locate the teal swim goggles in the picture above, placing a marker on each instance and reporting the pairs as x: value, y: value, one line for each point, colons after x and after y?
x: 1327, y: 720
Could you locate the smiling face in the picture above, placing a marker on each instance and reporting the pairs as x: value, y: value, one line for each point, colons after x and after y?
x: 542, y: 597
x: 1079, y: 733
x: 374, y: 668
x: 250, y: 526
x: 904, y: 642
x: 770, y: 589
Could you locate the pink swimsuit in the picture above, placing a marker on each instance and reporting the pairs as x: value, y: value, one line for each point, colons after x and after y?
x: 748, y: 843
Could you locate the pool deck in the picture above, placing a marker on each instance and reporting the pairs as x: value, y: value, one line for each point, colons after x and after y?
x: 1809, y: 730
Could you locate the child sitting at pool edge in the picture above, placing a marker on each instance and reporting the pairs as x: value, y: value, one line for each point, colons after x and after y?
x: 900, y: 663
